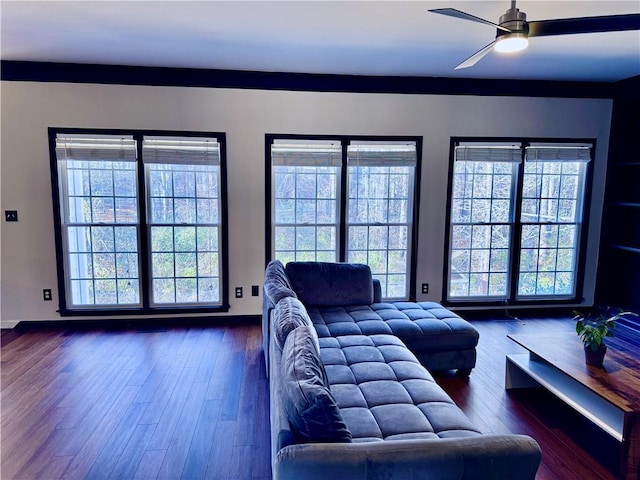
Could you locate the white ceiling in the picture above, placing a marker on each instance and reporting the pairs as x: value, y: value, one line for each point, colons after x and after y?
x: 340, y: 37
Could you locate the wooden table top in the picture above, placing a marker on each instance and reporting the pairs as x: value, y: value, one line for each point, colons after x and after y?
x: 618, y: 381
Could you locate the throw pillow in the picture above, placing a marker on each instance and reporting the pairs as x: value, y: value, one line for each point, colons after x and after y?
x: 311, y: 408
x: 276, y: 283
x: 289, y: 314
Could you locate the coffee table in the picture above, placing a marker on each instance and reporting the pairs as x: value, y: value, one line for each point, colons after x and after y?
x: 608, y: 396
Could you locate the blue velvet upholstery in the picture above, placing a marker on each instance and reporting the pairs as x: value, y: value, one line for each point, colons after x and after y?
x: 336, y: 284
x: 276, y: 283
x: 288, y: 315
x: 366, y: 386
x: 385, y: 394
x: 439, y: 338
x: 276, y: 287
x: 311, y: 408
x: 377, y: 291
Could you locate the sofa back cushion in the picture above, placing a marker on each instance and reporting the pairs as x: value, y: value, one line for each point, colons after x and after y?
x: 288, y: 315
x: 311, y: 408
x: 331, y: 284
x: 276, y: 283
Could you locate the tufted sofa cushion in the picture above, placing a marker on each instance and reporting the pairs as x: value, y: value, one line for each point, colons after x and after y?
x: 336, y: 284
x: 421, y: 325
x: 311, y: 408
x: 385, y: 394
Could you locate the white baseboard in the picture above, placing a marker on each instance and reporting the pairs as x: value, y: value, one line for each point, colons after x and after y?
x: 8, y: 323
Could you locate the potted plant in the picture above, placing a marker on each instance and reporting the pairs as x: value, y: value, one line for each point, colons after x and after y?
x: 593, y: 327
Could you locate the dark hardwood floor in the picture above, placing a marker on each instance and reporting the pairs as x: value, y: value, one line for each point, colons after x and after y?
x: 192, y: 403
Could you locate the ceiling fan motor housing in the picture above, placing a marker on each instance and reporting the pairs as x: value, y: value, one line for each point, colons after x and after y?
x: 515, y: 21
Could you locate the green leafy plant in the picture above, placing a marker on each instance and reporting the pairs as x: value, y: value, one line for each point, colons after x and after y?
x: 594, y: 326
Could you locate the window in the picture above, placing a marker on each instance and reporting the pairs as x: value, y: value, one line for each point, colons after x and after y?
x: 140, y: 221
x: 345, y: 199
x: 380, y: 211
x: 306, y: 180
x: 552, y: 213
x: 516, y: 220
x: 482, y: 217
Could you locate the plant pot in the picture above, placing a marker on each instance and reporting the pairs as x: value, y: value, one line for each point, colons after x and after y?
x: 595, y: 358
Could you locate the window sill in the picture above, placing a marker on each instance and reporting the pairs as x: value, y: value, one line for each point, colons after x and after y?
x: 77, y: 312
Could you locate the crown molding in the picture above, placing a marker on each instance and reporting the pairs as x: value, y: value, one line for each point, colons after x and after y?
x: 22, y: 71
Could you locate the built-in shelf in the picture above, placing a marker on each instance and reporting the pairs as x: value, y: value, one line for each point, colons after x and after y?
x: 618, y: 278
x: 625, y: 248
x: 625, y: 204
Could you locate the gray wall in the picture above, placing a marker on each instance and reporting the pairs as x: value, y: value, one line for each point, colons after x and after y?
x: 28, y: 253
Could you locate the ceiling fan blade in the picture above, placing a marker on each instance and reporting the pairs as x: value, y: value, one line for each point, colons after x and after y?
x: 452, y: 12
x: 475, y: 58
x: 568, y: 26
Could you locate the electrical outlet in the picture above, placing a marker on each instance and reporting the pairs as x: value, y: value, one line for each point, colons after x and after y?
x: 255, y: 290
x: 425, y: 288
x: 46, y: 295
x: 238, y: 292
x: 10, y: 215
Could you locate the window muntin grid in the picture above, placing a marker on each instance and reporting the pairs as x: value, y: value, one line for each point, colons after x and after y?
x: 481, y: 228
x: 552, y: 203
x: 184, y: 224
x: 379, y: 234
x: 543, y: 242
x: 100, y: 223
x: 305, y: 213
x: 100, y: 231
x: 379, y: 218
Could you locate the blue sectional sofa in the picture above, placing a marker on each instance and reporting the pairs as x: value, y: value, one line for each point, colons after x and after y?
x: 349, y: 399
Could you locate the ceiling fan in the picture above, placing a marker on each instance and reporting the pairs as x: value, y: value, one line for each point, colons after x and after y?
x: 513, y: 29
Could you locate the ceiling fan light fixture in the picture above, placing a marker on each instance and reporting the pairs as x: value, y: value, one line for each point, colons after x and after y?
x: 511, y: 43
x: 513, y: 30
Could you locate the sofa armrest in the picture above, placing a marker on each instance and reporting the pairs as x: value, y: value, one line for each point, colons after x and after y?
x: 377, y: 291
x: 267, y: 308
x: 484, y: 457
